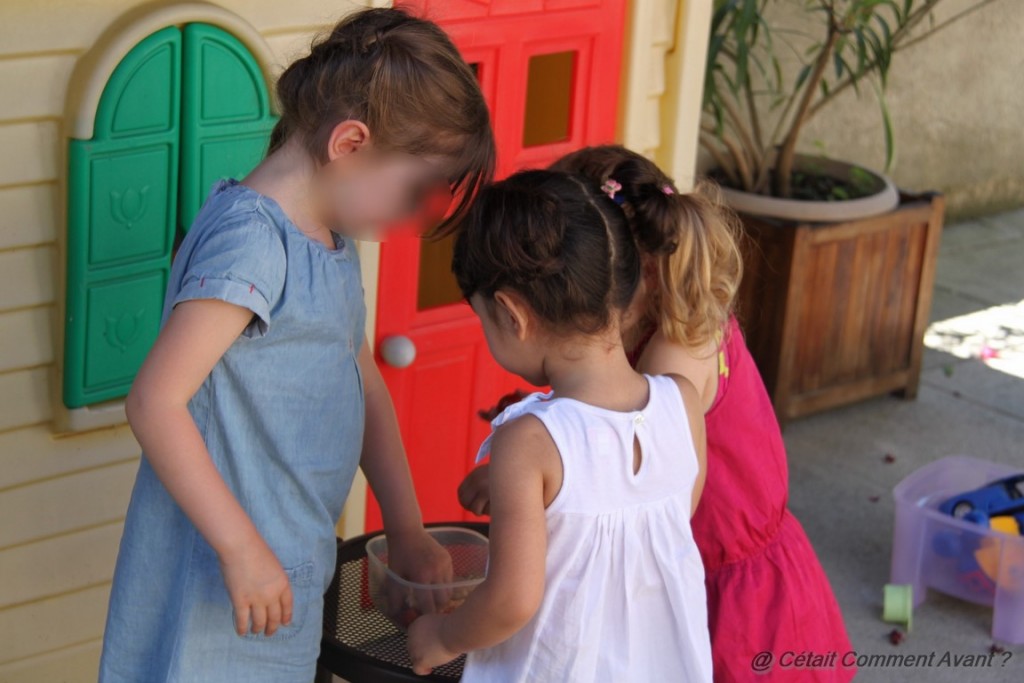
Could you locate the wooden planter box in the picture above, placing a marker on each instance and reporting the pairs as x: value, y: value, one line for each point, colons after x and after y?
x: 835, y: 313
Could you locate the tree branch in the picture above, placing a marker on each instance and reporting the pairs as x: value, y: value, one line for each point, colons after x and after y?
x: 745, y: 140
x: 753, y: 115
x: 710, y: 143
x: 897, y: 46
x: 739, y: 162
x: 938, y: 27
x: 784, y: 163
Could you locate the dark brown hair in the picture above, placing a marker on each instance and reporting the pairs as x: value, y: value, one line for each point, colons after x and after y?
x: 555, y: 240
x: 405, y: 80
x: 693, y: 234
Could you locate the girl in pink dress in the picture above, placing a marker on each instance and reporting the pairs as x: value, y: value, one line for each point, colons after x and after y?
x: 767, y: 592
x: 766, y: 589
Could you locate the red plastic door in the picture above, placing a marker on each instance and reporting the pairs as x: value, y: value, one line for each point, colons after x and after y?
x: 550, y: 73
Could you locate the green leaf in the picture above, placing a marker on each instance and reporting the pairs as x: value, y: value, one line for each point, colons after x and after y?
x: 885, y: 30
x: 722, y: 12
x: 854, y: 77
x: 802, y: 76
x: 742, y: 51
x: 763, y: 25
x: 719, y: 116
x: 891, y: 4
x: 862, y: 50
x: 881, y: 52
x: 890, y: 139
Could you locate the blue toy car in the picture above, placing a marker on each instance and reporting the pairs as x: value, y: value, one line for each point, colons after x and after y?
x: 995, y: 498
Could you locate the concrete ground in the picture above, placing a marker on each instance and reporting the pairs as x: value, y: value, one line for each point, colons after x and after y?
x: 841, y: 479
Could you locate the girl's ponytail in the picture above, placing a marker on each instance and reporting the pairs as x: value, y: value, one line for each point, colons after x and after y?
x: 699, y: 281
x: 693, y: 236
x: 551, y: 238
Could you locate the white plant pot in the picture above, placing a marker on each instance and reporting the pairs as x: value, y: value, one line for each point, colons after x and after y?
x: 885, y: 199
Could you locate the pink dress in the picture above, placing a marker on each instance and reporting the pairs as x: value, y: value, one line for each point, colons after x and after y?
x: 766, y: 589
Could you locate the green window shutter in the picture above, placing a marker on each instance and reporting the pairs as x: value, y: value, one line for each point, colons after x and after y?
x: 226, y: 116
x: 122, y: 210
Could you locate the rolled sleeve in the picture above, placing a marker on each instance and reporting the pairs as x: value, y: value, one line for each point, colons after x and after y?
x: 243, y: 264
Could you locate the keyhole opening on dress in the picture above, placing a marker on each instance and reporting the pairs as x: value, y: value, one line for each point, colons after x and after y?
x: 638, y: 456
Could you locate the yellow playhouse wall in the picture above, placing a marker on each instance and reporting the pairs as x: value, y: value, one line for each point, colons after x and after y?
x: 62, y: 499
x: 662, y: 85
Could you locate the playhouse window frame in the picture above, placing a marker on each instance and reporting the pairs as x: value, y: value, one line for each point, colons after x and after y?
x: 91, y: 75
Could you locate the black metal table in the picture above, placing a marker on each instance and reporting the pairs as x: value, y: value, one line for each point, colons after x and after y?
x: 359, y: 643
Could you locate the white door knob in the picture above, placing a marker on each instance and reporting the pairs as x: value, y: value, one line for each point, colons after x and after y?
x: 398, y: 351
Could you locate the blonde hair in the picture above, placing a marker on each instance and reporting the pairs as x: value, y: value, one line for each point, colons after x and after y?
x: 693, y: 236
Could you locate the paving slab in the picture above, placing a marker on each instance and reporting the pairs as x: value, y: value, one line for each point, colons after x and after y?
x: 843, y: 467
x: 982, y: 232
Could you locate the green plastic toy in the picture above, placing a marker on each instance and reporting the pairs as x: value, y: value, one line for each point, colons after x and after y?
x: 898, y: 604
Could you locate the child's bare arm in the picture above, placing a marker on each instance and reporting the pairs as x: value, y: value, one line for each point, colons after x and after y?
x: 414, y: 554
x: 695, y: 414
x: 523, y: 461
x: 196, y: 335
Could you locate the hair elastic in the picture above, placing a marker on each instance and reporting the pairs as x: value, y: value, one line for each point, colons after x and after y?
x: 667, y: 189
x: 612, y: 187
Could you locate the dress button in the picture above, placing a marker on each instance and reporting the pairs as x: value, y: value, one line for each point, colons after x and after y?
x: 639, y: 419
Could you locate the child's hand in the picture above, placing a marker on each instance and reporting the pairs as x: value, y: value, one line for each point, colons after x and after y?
x: 475, y: 491
x: 259, y: 589
x: 425, y: 647
x: 416, y: 556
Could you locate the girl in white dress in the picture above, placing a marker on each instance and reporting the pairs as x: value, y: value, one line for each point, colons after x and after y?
x: 593, y: 574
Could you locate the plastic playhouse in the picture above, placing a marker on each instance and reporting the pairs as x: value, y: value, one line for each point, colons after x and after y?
x: 963, y: 556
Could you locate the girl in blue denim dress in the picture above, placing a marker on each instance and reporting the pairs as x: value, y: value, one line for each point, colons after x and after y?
x: 260, y: 397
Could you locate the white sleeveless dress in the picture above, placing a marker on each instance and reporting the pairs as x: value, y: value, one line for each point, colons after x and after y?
x: 624, y: 598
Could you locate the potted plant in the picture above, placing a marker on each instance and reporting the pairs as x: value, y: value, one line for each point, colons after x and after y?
x: 839, y: 264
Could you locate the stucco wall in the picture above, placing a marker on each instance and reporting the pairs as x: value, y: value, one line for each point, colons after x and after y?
x: 956, y: 103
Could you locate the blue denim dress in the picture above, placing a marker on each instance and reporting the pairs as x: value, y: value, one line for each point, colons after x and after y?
x: 282, y: 415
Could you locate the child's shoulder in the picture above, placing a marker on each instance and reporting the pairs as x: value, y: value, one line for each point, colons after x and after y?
x: 699, y: 365
x: 231, y: 208
x: 232, y: 240
x: 234, y: 221
x: 523, y: 449
x: 524, y: 432
x: 668, y: 353
x: 687, y: 391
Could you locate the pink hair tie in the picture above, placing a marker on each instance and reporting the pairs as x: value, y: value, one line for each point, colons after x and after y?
x: 611, y: 187
x: 667, y: 189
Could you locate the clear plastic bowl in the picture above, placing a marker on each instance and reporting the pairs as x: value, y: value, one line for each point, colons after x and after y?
x: 403, y: 601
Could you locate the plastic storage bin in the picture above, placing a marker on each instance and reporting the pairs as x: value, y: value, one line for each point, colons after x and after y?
x: 931, y: 549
